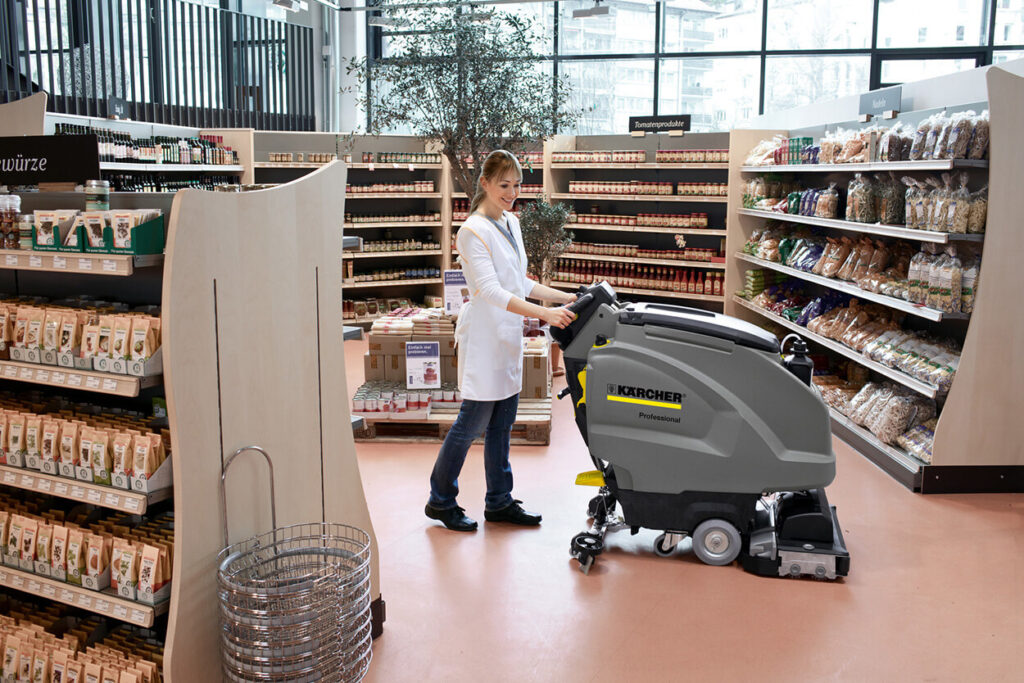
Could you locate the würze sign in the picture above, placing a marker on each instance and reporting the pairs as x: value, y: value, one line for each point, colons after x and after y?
x: 34, y: 159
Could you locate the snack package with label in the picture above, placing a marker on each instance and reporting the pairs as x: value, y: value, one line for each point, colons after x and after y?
x: 978, y: 147
x: 890, y: 198
x: 921, y: 138
x: 969, y: 284
x: 939, y: 123
x: 977, y: 211
x: 961, y: 130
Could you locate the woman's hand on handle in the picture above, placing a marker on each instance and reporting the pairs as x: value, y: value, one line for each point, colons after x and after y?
x: 559, y: 316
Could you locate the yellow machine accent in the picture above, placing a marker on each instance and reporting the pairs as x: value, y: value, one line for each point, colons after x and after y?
x: 581, y: 377
x: 591, y: 478
x: 644, y: 402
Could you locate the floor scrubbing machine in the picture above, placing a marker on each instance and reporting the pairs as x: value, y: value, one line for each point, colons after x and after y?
x: 699, y: 427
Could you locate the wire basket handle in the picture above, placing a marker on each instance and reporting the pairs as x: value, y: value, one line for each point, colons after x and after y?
x: 224, y: 494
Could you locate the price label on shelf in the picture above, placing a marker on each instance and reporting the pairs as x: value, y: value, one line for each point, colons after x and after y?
x: 50, y: 590
x: 35, y: 261
x: 85, y: 264
x: 34, y: 586
x: 42, y: 375
x: 74, y: 380
x: 3, y: 576
x: 371, y: 167
x: 10, y: 477
x: 25, y: 373
x: 85, y: 601
x: 138, y: 616
x: 112, y: 499
x: 94, y: 495
x: 60, y: 489
x: 10, y: 371
x: 101, y: 605
x: 109, y: 266
x: 58, y: 378
x: 77, y: 492
x: 131, y: 504
x: 92, y: 382
x: 27, y: 481
x: 17, y: 582
x: 109, y: 385
x: 44, y: 485
x: 121, y: 612
x: 66, y: 595
x: 60, y: 263
x: 11, y: 260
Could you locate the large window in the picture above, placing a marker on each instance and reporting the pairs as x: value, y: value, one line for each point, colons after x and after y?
x: 727, y: 61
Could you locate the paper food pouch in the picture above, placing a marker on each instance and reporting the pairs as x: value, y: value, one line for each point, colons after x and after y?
x: 51, y: 437
x: 25, y: 653
x: 122, y: 460
x: 142, y: 339
x: 44, y: 539
x: 150, y: 570
x: 58, y: 548
x: 6, y: 326
x: 41, y: 667
x: 28, y: 539
x: 51, y: 330
x: 34, y: 329
x: 20, y: 325
x: 155, y: 326
x: 69, y: 443
x: 5, y: 526
x: 16, y: 433
x: 93, y: 673
x: 130, y: 676
x: 33, y: 432
x: 85, y: 435
x: 122, y: 224
x: 101, y: 461
x: 90, y: 341
x: 120, y: 337
x: 110, y: 675
x: 103, y: 343
x: 94, y: 564
x: 156, y: 445
x: 71, y: 239
x: 69, y: 333
x: 74, y: 672
x: 46, y: 228
x: 3, y: 436
x: 95, y: 221
x: 142, y: 459
x: 14, y: 536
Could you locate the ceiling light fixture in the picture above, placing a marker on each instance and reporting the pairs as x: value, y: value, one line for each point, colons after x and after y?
x: 597, y: 10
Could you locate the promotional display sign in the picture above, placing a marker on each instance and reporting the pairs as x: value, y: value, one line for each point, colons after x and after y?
x: 456, y: 291
x: 657, y: 124
x: 34, y: 159
x: 423, y: 365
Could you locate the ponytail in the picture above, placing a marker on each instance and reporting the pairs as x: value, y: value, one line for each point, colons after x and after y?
x: 496, y: 164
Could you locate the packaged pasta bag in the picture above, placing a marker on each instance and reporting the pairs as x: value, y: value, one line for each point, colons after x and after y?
x: 942, y: 140
x: 828, y: 148
x: 939, y: 123
x: 969, y: 284
x: 909, y: 199
x: 977, y: 211
x: 978, y: 147
x: 942, y: 214
x: 934, y: 295
x: 890, y: 147
x: 851, y: 189
x: 921, y: 138
x: 827, y: 202
x: 959, y: 140
x: 865, y: 253
x: 930, y: 203
x: 960, y: 206
x: 952, y: 277
x: 890, y: 199
x: 860, y: 200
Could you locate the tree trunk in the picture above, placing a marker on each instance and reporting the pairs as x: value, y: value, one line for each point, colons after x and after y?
x: 556, y: 351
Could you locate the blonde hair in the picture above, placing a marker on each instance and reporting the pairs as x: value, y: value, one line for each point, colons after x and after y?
x: 496, y: 164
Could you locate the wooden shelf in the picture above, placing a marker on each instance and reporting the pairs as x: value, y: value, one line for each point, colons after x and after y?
x: 396, y: 224
x: 76, y: 262
x: 289, y: 164
x: 390, y: 254
x: 870, y: 228
x: 99, y: 602
x: 646, y: 261
x: 645, y: 228
x: 85, y: 380
x: 391, y: 166
x: 668, y: 294
x: 391, y: 283
x: 524, y: 195
x: 897, y: 376
x: 930, y: 165
x: 170, y: 168
x: 94, y: 494
x: 646, y: 166
x: 854, y: 290
x: 642, y: 198
x: 393, y: 195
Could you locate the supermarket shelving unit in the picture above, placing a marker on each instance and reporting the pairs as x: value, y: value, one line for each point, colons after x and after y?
x: 978, y: 441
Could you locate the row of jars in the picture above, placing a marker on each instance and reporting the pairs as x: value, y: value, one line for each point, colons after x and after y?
x: 401, y: 158
x: 638, y: 276
x: 666, y: 220
x: 632, y: 250
x: 691, y: 156
x: 389, y: 218
x: 310, y: 157
x: 597, y: 156
x: 417, y: 186
x: 393, y: 397
x: 399, y: 245
x: 630, y: 187
x: 397, y: 274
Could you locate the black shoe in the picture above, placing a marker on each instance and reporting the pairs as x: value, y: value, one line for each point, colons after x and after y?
x: 453, y: 518
x: 513, y: 514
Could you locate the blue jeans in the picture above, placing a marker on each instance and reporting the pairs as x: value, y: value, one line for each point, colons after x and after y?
x: 495, y: 419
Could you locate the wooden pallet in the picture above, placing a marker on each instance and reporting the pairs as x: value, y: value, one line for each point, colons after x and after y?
x: 532, y: 426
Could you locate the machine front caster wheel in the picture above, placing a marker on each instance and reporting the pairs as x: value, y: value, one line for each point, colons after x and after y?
x: 585, y: 548
x: 716, y: 542
x: 661, y: 549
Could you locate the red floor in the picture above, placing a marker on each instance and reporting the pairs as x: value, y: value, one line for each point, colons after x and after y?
x: 935, y: 592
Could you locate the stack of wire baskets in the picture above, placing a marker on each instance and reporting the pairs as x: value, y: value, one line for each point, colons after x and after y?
x: 295, y: 605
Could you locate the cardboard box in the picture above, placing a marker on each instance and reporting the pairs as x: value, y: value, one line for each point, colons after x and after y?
x: 373, y: 366
x: 449, y: 369
x: 394, y: 368
x: 388, y: 344
x: 537, y: 376
x: 446, y: 342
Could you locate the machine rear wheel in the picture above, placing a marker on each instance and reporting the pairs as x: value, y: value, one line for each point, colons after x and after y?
x: 716, y: 542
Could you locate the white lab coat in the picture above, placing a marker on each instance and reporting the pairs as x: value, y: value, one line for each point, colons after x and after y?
x: 488, y: 337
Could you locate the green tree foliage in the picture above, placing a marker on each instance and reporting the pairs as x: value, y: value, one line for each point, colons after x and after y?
x: 544, y: 236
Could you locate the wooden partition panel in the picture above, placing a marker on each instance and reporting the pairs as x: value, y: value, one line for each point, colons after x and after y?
x: 252, y: 354
x: 26, y: 116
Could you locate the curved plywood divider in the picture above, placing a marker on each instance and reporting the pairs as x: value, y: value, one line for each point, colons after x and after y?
x: 985, y: 402
x: 23, y: 117
x: 253, y: 356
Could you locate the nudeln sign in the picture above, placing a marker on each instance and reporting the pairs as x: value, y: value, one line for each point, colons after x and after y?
x: 34, y: 159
